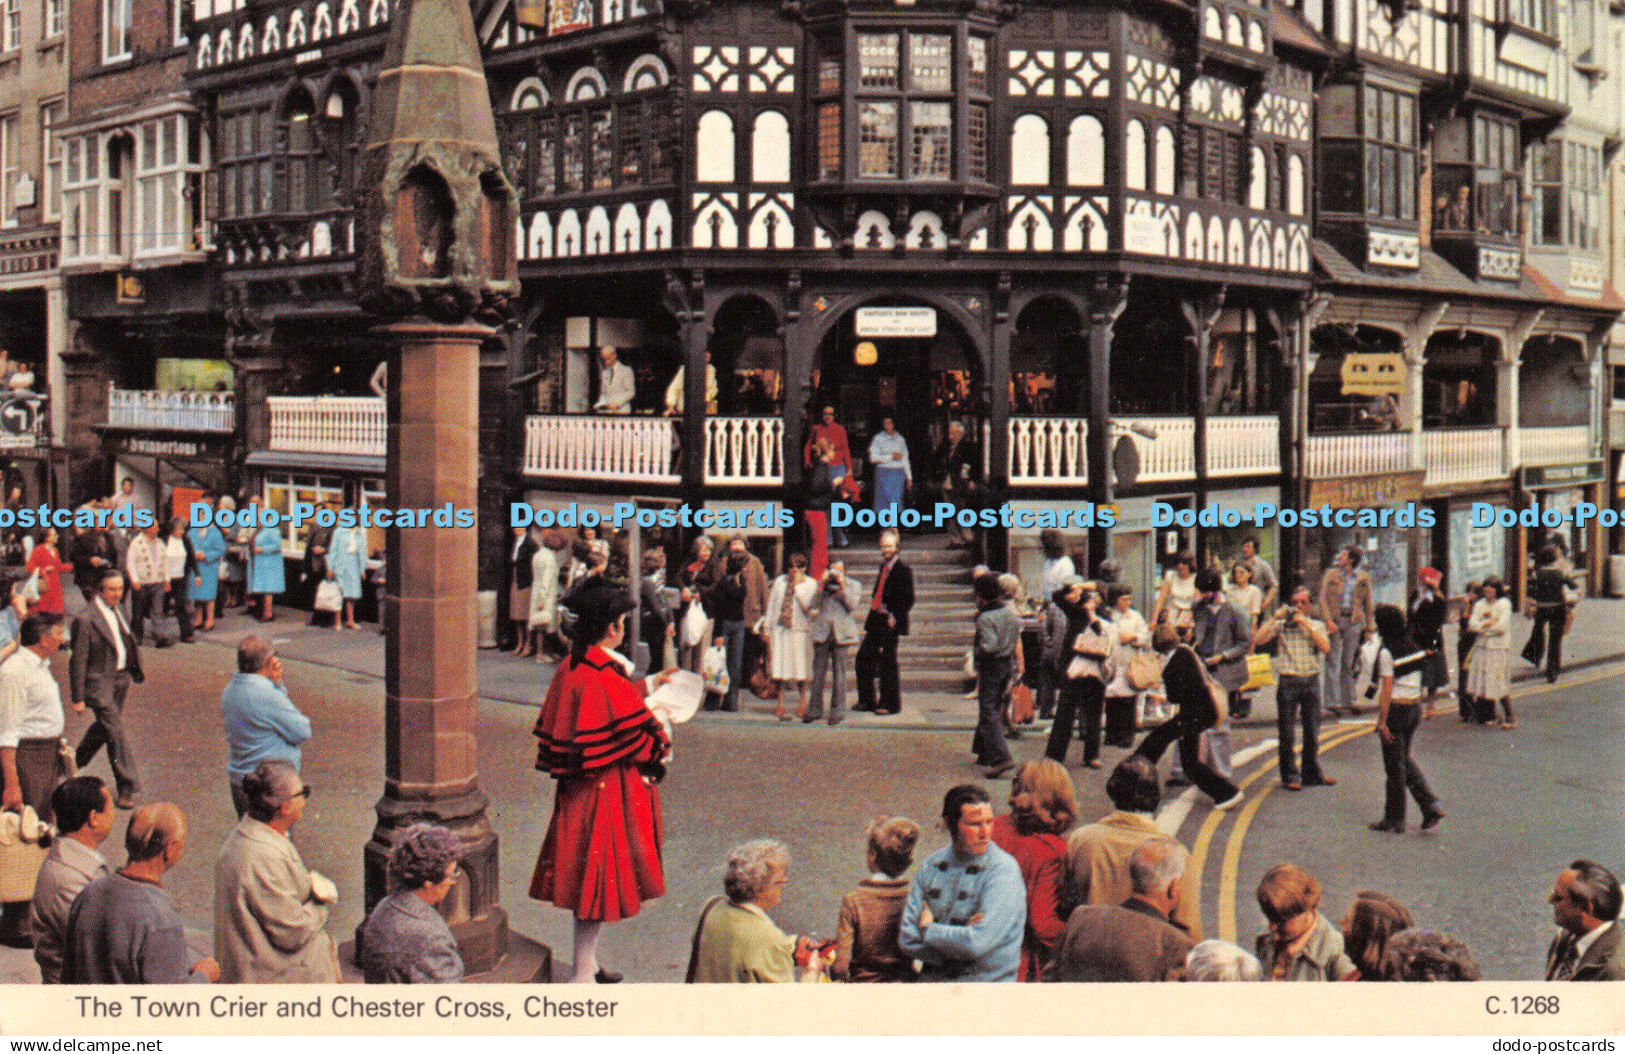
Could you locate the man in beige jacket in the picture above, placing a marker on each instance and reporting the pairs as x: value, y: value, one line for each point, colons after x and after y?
x: 269, y: 909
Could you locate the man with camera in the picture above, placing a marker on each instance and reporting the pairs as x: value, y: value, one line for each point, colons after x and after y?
x: 1297, y: 675
x: 834, y: 631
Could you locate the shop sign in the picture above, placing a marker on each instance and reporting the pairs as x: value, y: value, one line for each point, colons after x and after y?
x: 1538, y: 477
x: 896, y: 322
x: 1365, y: 492
x: 161, y: 447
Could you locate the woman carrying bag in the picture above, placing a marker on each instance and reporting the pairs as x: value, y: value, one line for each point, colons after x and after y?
x: 1134, y: 667
x: 1080, y: 671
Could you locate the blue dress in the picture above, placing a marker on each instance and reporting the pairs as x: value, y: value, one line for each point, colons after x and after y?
x: 346, y: 551
x: 891, y: 474
x: 265, y: 562
x: 208, y: 546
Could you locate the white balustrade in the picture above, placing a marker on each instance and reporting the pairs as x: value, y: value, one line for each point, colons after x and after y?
x: 744, y: 450
x: 179, y: 411
x: 624, y: 448
x: 1048, y: 450
x: 1462, y: 455
x: 323, y: 424
x: 1356, y: 454
x: 1555, y: 446
x: 1053, y: 450
x: 1243, y: 446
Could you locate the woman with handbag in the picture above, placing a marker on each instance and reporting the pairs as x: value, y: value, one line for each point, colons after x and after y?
x: 1085, y: 648
x: 601, y: 858
x: 1133, y: 667
x: 789, y: 634
x: 346, y: 555
x: 695, y: 580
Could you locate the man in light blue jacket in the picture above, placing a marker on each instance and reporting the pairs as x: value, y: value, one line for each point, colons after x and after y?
x: 262, y: 724
x: 967, y: 907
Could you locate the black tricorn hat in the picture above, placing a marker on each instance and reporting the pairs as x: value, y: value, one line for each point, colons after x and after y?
x: 599, y: 602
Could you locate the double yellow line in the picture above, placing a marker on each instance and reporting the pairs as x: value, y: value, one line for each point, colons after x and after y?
x: 1230, y: 864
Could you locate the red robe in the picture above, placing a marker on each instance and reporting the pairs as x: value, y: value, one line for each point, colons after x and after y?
x: 601, y: 856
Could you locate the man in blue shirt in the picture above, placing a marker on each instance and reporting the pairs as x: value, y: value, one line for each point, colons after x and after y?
x: 967, y: 908
x: 262, y: 724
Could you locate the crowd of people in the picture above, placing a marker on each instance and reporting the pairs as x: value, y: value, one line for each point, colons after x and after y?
x: 1023, y: 896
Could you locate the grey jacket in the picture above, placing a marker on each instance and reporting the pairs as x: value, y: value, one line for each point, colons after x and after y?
x: 68, y: 869
x: 1231, y: 639
x: 405, y: 941
x: 268, y: 924
x: 832, y: 613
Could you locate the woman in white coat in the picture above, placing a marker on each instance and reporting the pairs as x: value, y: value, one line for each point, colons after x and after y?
x: 1489, y: 677
x: 544, y: 595
x: 1130, y: 634
x: 787, y: 622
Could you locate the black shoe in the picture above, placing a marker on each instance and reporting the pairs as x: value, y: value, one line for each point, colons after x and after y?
x: 606, y: 977
x: 810, y: 718
x: 1000, y: 769
x: 1551, y: 677
x: 1384, y: 825
x: 1320, y: 781
x: 1431, y: 820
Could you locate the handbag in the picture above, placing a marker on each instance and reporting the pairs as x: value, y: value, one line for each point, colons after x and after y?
x: 1260, y: 673
x: 1144, y: 672
x: 1021, y: 705
x: 694, y: 621
x: 1081, y: 667
x: 24, y: 842
x: 1092, y: 644
x: 714, y: 670
x: 328, y: 596
x: 762, y: 686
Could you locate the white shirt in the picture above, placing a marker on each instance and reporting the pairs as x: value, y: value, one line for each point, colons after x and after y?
x: 147, y: 561
x: 177, y: 558
x: 116, y: 629
x: 30, y: 701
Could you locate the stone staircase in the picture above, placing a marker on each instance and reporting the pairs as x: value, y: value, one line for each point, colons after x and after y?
x: 931, y: 658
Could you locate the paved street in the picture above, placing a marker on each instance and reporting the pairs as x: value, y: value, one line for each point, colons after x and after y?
x: 1521, y: 804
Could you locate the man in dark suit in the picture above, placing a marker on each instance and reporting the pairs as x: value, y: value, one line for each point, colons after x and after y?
x: 1585, y: 905
x: 886, y: 621
x: 1133, y: 941
x: 106, y: 660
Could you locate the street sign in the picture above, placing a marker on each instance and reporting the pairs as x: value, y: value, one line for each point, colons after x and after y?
x: 19, y: 421
x: 1362, y: 492
x: 1539, y: 477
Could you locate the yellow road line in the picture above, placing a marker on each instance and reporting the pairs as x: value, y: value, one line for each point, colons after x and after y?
x: 1225, y: 910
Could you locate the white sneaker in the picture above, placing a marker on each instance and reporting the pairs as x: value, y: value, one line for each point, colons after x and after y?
x: 1232, y: 803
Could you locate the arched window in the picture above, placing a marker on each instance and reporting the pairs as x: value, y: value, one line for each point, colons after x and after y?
x: 646, y: 71
x: 272, y: 40
x: 296, y: 28
x: 1294, y: 185
x: 586, y: 83
x: 245, y: 42
x: 205, y: 51
x: 1134, y: 155
x: 770, y: 148
x: 1086, y: 152
x: 714, y: 147
x: 321, y: 26
x: 1258, y: 181
x: 1029, y: 151
x: 1164, y: 182
x: 530, y: 94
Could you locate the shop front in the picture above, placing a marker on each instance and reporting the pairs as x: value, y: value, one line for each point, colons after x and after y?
x: 1385, y: 519
x: 1556, y: 491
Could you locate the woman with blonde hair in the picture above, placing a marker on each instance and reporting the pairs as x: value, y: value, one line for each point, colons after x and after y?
x: 871, y: 915
x: 1043, y: 806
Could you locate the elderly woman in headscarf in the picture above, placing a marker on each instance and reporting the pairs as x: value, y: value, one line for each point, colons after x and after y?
x: 405, y: 940
x: 606, y: 748
x: 735, y: 941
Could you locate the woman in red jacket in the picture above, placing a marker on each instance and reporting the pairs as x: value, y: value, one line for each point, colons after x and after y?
x: 1042, y: 808
x: 601, y: 857
x: 47, y: 562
